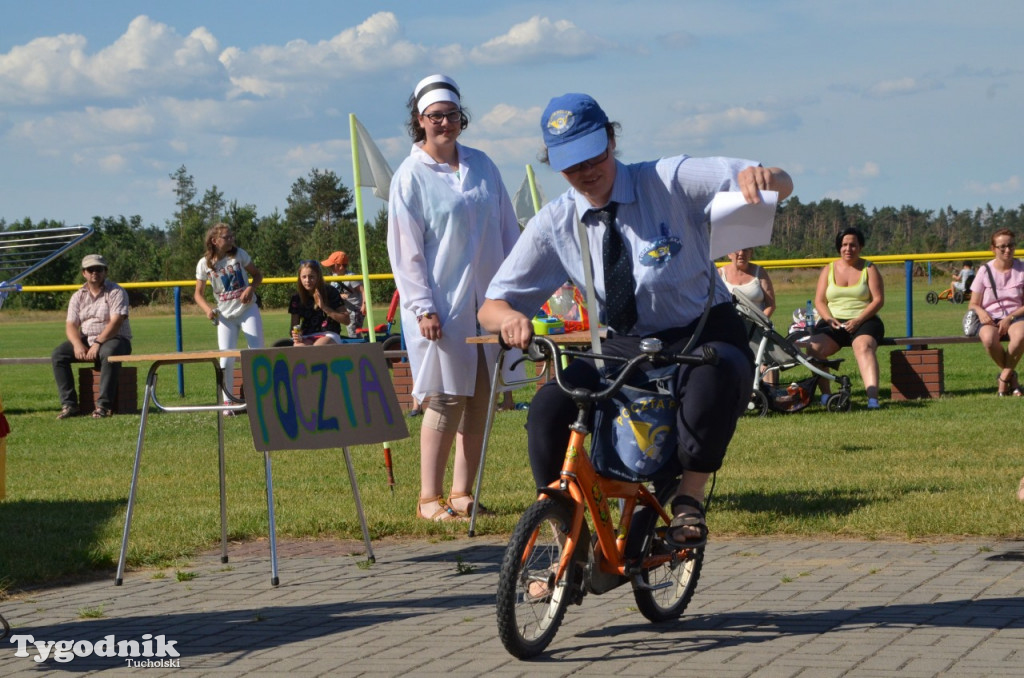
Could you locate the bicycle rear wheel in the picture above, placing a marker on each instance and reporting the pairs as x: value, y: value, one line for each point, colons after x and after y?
x: 672, y: 587
x: 530, y: 603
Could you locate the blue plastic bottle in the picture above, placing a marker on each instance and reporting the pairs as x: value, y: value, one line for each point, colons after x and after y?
x: 809, y: 314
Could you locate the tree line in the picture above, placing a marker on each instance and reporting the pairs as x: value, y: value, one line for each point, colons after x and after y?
x: 319, y: 219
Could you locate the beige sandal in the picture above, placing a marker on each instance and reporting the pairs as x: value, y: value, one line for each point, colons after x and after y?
x: 443, y: 512
x: 481, y: 510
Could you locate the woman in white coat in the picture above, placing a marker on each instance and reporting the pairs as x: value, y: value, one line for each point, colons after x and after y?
x: 450, y: 225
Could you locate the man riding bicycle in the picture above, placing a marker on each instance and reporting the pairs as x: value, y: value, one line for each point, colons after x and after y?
x: 652, y: 275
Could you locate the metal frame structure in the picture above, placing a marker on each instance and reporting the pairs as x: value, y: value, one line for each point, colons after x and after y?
x: 25, y: 252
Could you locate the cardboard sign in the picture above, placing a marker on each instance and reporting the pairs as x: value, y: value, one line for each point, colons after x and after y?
x: 316, y: 397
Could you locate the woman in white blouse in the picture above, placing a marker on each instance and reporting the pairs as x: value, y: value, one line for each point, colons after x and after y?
x: 450, y: 225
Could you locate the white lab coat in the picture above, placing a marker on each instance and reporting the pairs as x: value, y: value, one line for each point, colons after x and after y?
x: 447, y: 236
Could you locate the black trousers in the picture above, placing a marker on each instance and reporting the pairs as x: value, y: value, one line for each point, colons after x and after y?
x: 64, y: 355
x: 712, y: 397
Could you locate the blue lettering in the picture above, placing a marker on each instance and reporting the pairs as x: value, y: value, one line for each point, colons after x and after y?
x: 326, y: 423
x: 370, y: 383
x: 309, y: 425
x: 341, y: 367
x: 288, y: 417
x: 261, y: 371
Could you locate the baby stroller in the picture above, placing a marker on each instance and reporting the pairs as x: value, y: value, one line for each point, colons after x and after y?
x: 773, y: 355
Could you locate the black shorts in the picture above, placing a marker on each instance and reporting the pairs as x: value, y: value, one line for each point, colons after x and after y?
x: 872, y: 327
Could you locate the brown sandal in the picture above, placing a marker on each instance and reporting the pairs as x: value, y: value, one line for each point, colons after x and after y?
x: 481, y: 510
x: 442, y: 514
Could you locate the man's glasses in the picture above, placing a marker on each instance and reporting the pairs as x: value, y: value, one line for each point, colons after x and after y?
x: 450, y: 116
x: 95, y: 269
x: 1003, y: 248
x: 596, y: 160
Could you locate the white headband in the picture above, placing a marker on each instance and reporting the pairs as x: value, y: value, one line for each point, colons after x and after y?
x: 434, y: 88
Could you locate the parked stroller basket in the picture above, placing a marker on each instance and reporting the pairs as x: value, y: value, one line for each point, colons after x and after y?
x: 773, y: 356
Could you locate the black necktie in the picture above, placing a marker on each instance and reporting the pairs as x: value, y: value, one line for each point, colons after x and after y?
x: 620, y: 297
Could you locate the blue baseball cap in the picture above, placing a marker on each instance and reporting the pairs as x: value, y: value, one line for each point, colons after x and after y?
x: 574, y: 130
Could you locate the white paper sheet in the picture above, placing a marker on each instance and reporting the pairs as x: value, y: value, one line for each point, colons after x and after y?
x: 736, y: 224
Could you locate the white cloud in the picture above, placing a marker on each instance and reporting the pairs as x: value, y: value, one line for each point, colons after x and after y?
x: 89, y: 127
x: 678, y: 40
x: 849, y: 195
x: 113, y: 163
x: 1011, y: 185
x: 319, y: 154
x: 506, y: 120
x: 375, y: 45
x: 885, y: 89
x: 703, y: 128
x: 536, y: 39
x: 149, y: 57
x: 869, y: 170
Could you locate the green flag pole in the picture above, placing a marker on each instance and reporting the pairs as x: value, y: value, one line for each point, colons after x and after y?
x: 361, y: 226
x: 356, y: 180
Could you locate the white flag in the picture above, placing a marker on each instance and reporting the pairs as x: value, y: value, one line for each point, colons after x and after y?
x: 374, y: 171
x: 522, y: 202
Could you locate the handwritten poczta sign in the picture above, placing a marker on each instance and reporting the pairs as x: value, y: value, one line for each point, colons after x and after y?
x: 316, y: 397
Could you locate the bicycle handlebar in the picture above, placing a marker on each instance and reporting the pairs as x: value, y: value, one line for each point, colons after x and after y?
x: 541, y: 348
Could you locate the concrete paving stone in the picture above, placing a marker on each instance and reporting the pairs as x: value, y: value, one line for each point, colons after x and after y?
x: 840, y: 618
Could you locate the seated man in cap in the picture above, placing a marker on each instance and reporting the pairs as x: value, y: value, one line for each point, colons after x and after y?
x: 351, y: 291
x: 97, y: 328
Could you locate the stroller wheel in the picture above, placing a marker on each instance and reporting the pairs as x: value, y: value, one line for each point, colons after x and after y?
x: 758, y: 405
x: 838, y: 402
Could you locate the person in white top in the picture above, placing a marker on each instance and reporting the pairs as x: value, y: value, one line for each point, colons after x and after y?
x: 743, y: 276
x: 450, y: 225
x: 228, y: 268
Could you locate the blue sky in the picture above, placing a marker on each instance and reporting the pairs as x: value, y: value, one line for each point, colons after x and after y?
x: 880, y: 103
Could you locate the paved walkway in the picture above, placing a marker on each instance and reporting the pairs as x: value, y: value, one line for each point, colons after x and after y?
x: 764, y: 607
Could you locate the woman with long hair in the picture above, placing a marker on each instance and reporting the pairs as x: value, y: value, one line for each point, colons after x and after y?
x: 227, y: 267
x: 316, y: 308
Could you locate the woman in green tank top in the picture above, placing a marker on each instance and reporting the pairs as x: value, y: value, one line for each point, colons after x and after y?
x: 848, y: 298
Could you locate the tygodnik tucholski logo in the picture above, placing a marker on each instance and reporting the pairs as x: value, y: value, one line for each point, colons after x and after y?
x: 151, y: 651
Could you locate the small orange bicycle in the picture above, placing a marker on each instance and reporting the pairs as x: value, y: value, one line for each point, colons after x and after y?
x: 551, y: 560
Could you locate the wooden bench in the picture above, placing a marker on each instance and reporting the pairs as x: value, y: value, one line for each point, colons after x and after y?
x: 126, y: 400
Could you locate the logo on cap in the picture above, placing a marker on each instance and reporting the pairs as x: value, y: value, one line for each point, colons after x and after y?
x: 560, y: 122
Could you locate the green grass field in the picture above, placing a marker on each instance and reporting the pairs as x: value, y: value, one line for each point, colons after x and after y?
x: 935, y: 469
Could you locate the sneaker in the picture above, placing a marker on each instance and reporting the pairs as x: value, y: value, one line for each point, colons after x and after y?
x: 101, y: 413
x: 68, y: 411
x: 824, y: 398
x: 873, y: 404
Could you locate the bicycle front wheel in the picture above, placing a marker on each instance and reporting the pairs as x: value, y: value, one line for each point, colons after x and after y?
x: 530, y: 602
x: 663, y: 592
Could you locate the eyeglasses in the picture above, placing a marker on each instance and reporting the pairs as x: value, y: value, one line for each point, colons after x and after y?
x: 596, y: 160
x: 1003, y: 248
x: 450, y: 116
x: 95, y: 269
